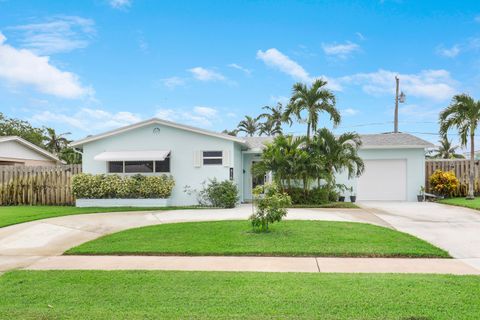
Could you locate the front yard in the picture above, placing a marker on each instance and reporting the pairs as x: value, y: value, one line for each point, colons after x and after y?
x: 462, y: 202
x: 286, y: 238
x: 230, y: 295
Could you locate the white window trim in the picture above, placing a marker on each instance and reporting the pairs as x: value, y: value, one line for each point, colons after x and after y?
x: 216, y: 157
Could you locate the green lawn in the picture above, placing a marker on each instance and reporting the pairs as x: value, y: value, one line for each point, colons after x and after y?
x: 230, y: 295
x: 287, y: 238
x: 462, y: 202
x: 18, y: 214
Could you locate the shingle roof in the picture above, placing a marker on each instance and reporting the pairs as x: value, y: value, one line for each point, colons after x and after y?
x: 370, y: 141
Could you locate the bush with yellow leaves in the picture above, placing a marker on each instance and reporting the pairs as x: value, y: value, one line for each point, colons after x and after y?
x: 444, y: 183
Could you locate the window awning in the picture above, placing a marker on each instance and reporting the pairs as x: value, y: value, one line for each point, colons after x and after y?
x: 158, y: 155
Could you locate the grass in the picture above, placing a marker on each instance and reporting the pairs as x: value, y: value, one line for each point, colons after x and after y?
x: 231, y: 295
x: 334, y: 205
x: 462, y: 202
x: 18, y: 214
x: 287, y: 238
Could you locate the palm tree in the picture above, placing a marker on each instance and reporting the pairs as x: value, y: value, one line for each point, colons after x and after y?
x: 55, y: 142
x: 269, y: 128
x: 281, y: 157
x: 314, y: 100
x: 274, y: 117
x: 339, y: 153
x: 446, y: 150
x: 463, y: 113
x: 230, y: 132
x: 249, y: 125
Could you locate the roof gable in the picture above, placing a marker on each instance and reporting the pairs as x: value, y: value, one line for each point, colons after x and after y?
x: 30, y: 146
x: 156, y: 121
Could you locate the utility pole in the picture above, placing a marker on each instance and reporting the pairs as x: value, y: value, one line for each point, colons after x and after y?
x: 398, y: 99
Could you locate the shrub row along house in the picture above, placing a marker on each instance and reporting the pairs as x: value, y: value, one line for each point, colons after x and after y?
x: 394, y: 162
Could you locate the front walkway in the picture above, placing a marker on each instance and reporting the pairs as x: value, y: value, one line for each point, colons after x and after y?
x: 259, y: 264
x: 40, y: 244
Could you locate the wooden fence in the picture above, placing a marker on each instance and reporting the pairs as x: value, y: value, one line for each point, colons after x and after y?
x: 28, y: 185
x: 461, y: 168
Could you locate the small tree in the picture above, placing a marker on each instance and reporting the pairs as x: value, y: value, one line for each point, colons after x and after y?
x: 270, y: 206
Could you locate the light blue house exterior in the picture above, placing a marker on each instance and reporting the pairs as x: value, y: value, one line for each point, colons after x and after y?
x: 192, y: 156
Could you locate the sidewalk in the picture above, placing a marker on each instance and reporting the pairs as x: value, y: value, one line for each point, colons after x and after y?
x: 259, y: 264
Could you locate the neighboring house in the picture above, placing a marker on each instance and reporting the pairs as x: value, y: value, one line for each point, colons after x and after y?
x: 395, y: 163
x: 15, y: 151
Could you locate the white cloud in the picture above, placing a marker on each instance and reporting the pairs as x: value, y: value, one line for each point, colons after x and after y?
x: 436, y: 85
x: 349, y: 112
x: 239, y: 67
x: 340, y: 50
x: 89, y: 120
x: 277, y: 60
x: 173, y: 82
x: 449, y: 52
x: 120, y: 4
x: 282, y: 99
x: 205, y: 111
x: 197, y: 116
x: 23, y: 67
x: 57, y: 34
x: 203, y: 74
x: 416, y: 112
x: 360, y: 36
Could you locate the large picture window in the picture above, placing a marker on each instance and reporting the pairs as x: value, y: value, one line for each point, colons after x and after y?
x: 115, y: 167
x: 212, y: 157
x: 139, y: 166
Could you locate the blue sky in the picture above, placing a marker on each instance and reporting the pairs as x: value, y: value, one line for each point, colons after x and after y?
x: 90, y: 66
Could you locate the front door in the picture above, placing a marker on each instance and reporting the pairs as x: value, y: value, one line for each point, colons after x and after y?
x: 257, y: 181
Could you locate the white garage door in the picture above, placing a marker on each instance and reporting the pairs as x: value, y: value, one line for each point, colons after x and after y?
x: 383, y: 180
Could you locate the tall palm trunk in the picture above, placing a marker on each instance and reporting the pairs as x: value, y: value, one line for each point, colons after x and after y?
x: 471, y: 183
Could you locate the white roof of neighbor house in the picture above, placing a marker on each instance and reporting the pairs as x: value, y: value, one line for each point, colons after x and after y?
x: 155, y: 121
x: 30, y: 146
x: 369, y: 141
x: 158, y: 155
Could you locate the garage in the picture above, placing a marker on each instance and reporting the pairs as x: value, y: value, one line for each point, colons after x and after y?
x: 383, y: 180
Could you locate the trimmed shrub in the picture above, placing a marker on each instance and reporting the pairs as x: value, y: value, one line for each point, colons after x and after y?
x: 213, y: 193
x: 270, y: 206
x: 444, y: 183
x: 223, y: 194
x: 103, y: 186
x: 315, y: 196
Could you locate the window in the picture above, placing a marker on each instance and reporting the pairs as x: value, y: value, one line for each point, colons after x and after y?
x: 212, y: 157
x: 138, y: 166
x: 115, y: 167
x: 163, y: 166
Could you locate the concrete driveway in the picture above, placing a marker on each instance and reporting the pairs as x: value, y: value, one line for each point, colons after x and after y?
x: 454, y: 229
x: 23, y: 244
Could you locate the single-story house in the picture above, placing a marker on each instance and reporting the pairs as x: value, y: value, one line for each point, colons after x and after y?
x: 15, y: 151
x: 395, y: 162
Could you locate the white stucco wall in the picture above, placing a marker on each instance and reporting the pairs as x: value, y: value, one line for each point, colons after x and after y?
x: 16, y: 150
x: 182, y: 144
x: 415, y: 167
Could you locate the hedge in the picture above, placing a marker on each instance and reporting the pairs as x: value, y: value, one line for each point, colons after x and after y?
x: 102, y: 186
